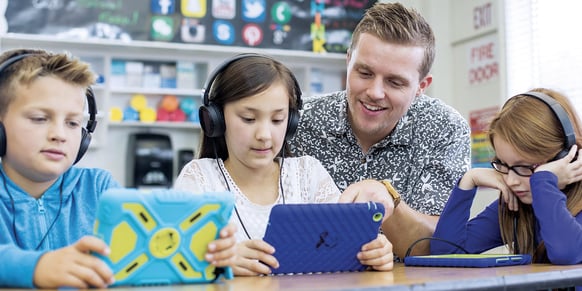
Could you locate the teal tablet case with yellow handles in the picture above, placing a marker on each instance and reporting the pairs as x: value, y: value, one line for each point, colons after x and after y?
x: 322, y: 238
x: 160, y: 237
x: 468, y: 260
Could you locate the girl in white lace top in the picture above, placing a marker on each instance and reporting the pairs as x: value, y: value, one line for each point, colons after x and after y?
x: 250, y: 110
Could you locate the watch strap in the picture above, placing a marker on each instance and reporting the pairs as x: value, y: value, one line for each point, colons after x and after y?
x: 393, y: 193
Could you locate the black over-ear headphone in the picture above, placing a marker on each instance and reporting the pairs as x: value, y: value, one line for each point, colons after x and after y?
x: 211, y: 116
x: 562, y: 116
x: 86, y: 131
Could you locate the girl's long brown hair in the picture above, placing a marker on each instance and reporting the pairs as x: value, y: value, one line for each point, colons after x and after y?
x: 534, y: 131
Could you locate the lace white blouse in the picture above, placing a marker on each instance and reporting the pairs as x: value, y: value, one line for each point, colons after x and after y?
x: 304, y: 180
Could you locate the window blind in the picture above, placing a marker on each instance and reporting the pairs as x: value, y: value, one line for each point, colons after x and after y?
x: 544, y: 46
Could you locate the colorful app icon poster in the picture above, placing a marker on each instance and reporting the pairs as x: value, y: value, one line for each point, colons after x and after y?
x: 309, y: 25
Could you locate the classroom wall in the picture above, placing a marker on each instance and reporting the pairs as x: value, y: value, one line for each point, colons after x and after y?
x: 469, y: 40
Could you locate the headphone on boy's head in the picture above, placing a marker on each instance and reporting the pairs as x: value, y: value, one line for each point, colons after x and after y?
x: 562, y: 116
x: 211, y: 115
x: 86, y: 131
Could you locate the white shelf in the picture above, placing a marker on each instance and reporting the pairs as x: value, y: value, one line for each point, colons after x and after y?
x: 166, y: 49
x: 157, y: 91
x: 157, y: 124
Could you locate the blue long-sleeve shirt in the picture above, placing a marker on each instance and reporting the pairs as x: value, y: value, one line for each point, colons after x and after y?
x: 33, y: 218
x: 561, y: 232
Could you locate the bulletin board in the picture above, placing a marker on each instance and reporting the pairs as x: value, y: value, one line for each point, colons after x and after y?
x: 307, y: 25
x: 481, y: 150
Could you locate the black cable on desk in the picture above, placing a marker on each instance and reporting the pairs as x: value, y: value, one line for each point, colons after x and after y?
x: 409, y: 250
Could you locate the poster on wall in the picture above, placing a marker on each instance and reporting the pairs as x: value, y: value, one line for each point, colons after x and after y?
x: 481, y: 151
x: 307, y: 25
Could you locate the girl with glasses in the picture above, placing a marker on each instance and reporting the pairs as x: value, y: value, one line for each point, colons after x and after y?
x: 536, y: 137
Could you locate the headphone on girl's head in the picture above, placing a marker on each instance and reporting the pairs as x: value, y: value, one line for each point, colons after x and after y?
x: 562, y: 116
x: 569, y: 141
x: 86, y: 131
x: 211, y: 115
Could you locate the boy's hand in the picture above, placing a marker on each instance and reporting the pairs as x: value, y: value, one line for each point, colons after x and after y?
x: 74, y: 266
x: 222, y: 251
x: 253, y: 257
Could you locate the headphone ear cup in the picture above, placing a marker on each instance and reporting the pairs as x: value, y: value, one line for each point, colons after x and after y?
x: 85, y: 142
x: 211, y: 120
x: 561, y: 154
x: 292, y: 124
x: 2, y: 140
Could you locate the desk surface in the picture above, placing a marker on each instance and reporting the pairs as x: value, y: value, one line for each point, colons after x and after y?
x: 528, y: 277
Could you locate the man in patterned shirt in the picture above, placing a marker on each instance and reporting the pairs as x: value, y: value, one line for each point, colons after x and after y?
x: 383, y: 126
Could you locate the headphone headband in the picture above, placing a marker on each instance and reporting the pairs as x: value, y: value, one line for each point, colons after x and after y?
x: 211, y: 115
x: 220, y: 68
x: 11, y: 61
x: 562, y: 117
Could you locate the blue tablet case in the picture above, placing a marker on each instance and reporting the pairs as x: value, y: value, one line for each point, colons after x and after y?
x: 314, y: 238
x: 160, y: 237
x: 468, y: 260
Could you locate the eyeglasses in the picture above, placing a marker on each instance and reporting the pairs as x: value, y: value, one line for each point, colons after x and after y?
x: 521, y: 170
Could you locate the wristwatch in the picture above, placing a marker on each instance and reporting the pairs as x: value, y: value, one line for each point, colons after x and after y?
x: 392, y: 192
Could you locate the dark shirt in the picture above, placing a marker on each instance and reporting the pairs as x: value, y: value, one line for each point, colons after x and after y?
x: 423, y: 157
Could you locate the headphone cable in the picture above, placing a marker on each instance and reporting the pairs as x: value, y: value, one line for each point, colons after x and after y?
x: 228, y: 185
x: 281, y: 171
x: 217, y: 159
x: 12, y: 204
x: 409, y: 250
x: 515, y: 243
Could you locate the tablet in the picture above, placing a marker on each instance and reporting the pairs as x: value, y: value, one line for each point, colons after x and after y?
x: 160, y: 237
x: 468, y: 260
x: 322, y: 237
